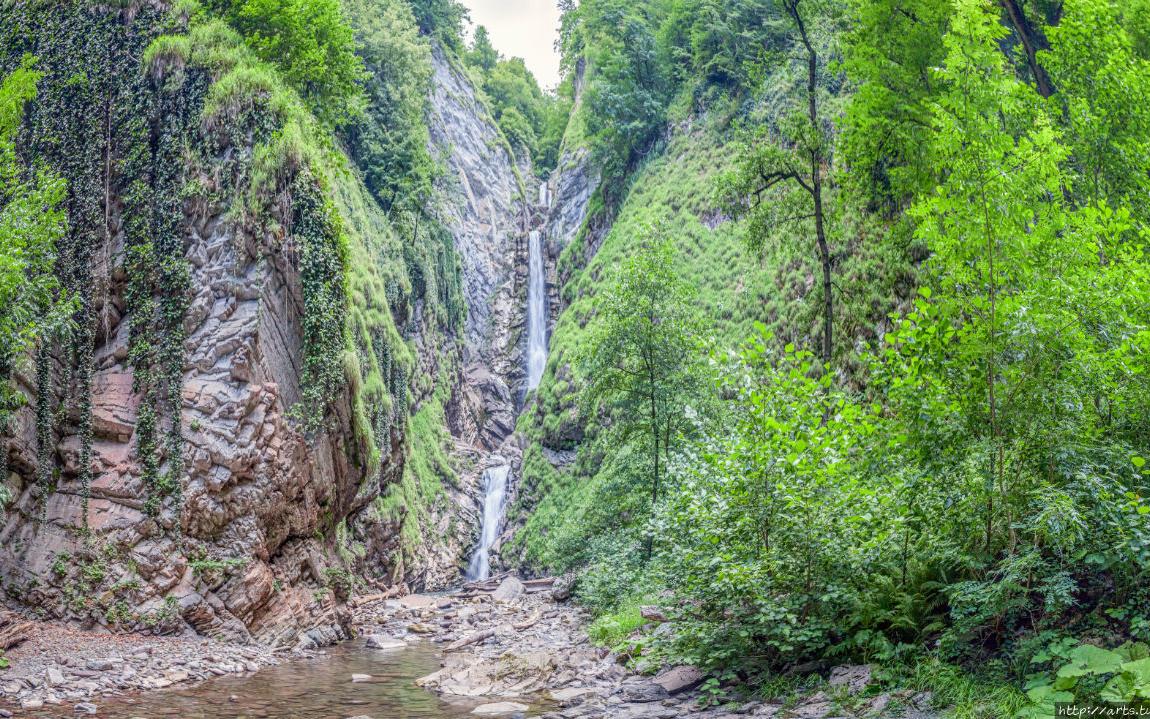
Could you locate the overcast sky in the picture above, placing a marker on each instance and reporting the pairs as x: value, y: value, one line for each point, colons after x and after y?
x: 522, y: 28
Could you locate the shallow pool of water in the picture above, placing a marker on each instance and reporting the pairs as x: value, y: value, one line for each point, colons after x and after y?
x: 318, y: 688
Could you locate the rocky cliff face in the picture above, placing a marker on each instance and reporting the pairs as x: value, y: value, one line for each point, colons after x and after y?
x: 483, y: 198
x: 186, y: 489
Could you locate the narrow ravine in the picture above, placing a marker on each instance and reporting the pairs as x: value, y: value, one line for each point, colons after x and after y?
x: 495, y: 477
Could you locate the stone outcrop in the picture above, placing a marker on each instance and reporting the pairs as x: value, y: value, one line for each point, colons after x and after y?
x: 252, y: 549
x: 483, y: 206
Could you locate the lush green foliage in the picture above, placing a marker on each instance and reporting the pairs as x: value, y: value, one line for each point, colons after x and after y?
x: 31, y: 223
x: 970, y: 482
x: 640, y: 366
x: 389, y: 141
x: 310, y: 42
x: 532, y: 121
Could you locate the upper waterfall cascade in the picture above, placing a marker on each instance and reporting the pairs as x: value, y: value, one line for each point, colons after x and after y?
x: 536, y: 312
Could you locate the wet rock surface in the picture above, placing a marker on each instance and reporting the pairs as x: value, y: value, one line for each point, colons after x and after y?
x: 508, y: 651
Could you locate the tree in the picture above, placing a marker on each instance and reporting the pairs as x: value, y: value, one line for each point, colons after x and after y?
x: 389, y: 140
x: 482, y: 54
x: 441, y: 19
x: 1103, y: 90
x: 627, y: 89
x: 1023, y: 327
x: 31, y: 223
x: 641, y: 362
x: 888, y: 54
x: 312, y: 44
x: 780, y: 175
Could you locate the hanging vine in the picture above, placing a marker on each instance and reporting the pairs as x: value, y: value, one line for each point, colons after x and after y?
x: 115, y: 138
x: 317, y: 233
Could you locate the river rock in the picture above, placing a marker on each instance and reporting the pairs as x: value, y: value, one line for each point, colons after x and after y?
x: 53, y: 677
x: 680, y: 678
x: 85, y: 708
x: 854, y: 678
x: 103, y: 665
x: 360, y: 678
x: 644, y: 692
x: 571, y: 695
x: 509, y: 590
x: 382, y: 641
x: 816, y: 706
x: 499, y: 708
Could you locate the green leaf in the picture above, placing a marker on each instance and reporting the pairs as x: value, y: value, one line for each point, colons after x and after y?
x: 1087, y: 659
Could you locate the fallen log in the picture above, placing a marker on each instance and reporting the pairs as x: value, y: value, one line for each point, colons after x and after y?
x: 470, y: 639
x: 14, y: 629
x: 529, y: 622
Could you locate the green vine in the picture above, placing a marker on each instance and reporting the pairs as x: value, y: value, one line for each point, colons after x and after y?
x: 117, y: 139
x: 318, y: 235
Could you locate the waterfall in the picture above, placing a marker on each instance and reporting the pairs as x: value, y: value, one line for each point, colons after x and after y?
x: 536, y: 312
x: 494, y: 491
x: 495, y: 476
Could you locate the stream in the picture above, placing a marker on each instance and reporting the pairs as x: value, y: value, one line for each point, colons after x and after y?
x: 319, y: 688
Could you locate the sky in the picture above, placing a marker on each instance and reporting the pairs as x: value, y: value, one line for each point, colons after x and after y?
x: 522, y: 28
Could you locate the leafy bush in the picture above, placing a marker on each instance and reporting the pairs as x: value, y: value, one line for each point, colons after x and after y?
x: 310, y: 42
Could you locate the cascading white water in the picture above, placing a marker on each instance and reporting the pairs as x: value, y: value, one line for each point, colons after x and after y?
x: 495, y: 476
x: 536, y: 312
x: 494, y: 491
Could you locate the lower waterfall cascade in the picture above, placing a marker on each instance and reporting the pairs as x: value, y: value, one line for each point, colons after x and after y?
x: 494, y: 494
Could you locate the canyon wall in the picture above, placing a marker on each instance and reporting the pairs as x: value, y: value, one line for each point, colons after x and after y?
x: 225, y: 443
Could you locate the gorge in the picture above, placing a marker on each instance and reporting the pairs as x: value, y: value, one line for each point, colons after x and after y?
x: 789, y: 357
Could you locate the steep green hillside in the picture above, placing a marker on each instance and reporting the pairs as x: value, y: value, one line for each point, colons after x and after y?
x: 908, y: 420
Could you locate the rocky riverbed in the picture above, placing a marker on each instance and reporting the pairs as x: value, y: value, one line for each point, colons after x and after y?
x: 514, y: 651
x: 57, y: 665
x: 522, y: 651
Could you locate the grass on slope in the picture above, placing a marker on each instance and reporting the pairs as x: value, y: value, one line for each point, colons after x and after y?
x: 735, y: 290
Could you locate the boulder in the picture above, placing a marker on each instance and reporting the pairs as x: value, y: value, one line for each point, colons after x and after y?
x: 571, y: 695
x: 103, y: 665
x: 680, y: 678
x: 815, y: 706
x: 382, y: 641
x: 644, y: 692
x: 509, y: 590
x: 562, y: 589
x: 854, y: 678
x: 652, y: 613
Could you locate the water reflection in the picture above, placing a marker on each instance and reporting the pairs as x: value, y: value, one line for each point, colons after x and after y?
x: 304, y: 689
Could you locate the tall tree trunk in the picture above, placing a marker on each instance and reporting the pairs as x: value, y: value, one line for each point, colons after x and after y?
x: 816, y: 186
x: 654, y: 456
x: 1032, y: 42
